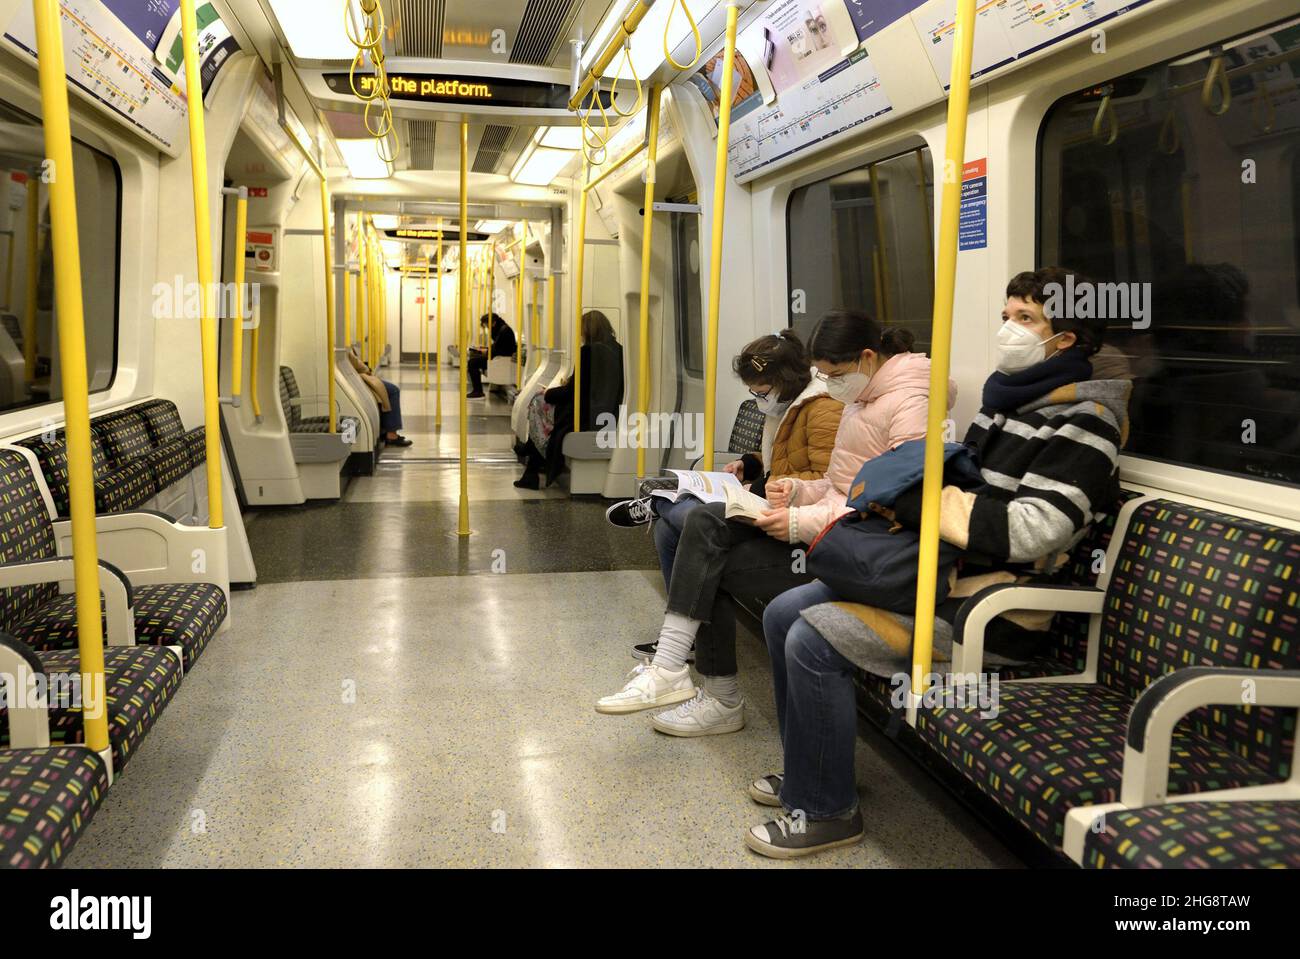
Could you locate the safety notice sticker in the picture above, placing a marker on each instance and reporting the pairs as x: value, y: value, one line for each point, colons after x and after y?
x: 973, y: 231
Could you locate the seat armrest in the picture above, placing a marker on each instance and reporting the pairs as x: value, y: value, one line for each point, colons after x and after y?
x: 1166, y: 701
x: 28, y: 703
x: 991, y: 602
x: 152, y: 548
x: 119, y: 602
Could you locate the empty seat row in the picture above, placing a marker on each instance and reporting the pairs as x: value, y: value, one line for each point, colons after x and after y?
x: 1181, y: 676
x: 137, y: 453
x: 155, y: 632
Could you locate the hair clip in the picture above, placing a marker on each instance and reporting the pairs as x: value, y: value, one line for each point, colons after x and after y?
x: 757, y: 363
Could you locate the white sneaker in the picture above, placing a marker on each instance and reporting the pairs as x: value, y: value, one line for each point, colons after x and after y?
x: 702, y: 716
x: 648, y: 686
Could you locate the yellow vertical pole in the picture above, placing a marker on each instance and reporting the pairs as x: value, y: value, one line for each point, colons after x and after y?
x: 550, y: 311
x: 715, y: 256
x: 886, y: 303
x: 424, y: 324
x: 347, y: 311
x: 462, y: 329
x: 941, y: 342
x: 647, y: 226
x: 519, y: 316
x: 9, y: 261
x: 437, y: 345
x: 33, y: 273
x: 580, y: 251
x: 925, y: 202
x: 237, y: 321
x: 537, y: 321
x: 203, y: 240
x: 363, y: 326
x: 329, y: 305
x: 72, y: 353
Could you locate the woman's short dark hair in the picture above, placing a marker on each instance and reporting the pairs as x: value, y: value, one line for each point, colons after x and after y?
x: 842, y: 335
x: 778, y: 359
x: 596, y: 328
x: 1038, y: 286
x: 490, y: 318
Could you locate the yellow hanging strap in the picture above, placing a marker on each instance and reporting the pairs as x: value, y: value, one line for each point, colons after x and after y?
x: 237, y: 321
x: 1217, y: 81
x: 643, y: 342
x: 203, y: 240
x: 941, y: 343
x: 72, y: 353
x: 613, y: 87
x: 33, y: 273
x: 462, y: 325
x: 695, y: 30
x: 715, y: 256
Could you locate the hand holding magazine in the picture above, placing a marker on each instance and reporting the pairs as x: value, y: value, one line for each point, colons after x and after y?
x: 717, y: 488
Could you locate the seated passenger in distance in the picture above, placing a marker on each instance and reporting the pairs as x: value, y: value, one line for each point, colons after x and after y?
x: 389, y: 398
x: 550, y: 412
x: 1048, y: 438
x: 503, y: 344
x: 886, y: 390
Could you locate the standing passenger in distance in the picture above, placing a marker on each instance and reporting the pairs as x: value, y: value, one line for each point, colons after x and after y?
x: 886, y: 391
x: 1048, y: 438
x: 503, y: 344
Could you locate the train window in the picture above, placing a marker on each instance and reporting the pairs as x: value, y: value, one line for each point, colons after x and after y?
x: 686, y: 292
x: 865, y: 240
x: 29, y: 356
x: 1176, y: 189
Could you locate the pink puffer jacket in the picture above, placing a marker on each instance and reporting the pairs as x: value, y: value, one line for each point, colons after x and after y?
x: 892, y: 410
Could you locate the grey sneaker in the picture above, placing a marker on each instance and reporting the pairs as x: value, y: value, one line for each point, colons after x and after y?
x: 789, y: 837
x: 766, y: 790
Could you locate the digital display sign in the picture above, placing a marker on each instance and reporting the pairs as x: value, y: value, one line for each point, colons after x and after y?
x: 483, y: 91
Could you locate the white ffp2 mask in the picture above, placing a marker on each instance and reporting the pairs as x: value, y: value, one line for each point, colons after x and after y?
x: 1019, y: 348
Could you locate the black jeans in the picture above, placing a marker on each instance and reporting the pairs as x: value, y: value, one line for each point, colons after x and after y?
x: 477, y: 366
x: 717, y: 559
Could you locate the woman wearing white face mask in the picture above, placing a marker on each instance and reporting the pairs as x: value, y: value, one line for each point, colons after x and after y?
x: 888, y: 392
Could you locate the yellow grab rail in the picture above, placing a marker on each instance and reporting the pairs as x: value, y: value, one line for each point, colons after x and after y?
x: 941, y: 343
x: 437, y: 346
x: 643, y: 343
x: 612, y: 47
x: 329, y: 305
x: 580, y: 251
x: 203, y: 241
x: 519, y: 307
x: 237, y: 340
x: 424, y: 324
x: 885, y: 304
x: 550, y: 311
x: 72, y: 353
x: 33, y: 273
x: 719, y: 211
x: 462, y: 330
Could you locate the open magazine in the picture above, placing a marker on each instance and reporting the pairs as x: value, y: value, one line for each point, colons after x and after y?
x: 740, y: 503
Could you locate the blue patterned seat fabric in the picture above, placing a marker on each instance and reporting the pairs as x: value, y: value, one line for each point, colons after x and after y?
x: 1191, y: 587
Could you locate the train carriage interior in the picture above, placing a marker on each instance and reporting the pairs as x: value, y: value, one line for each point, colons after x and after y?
x: 907, y: 393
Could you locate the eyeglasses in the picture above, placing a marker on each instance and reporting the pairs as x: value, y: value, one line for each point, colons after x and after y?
x: 761, y: 396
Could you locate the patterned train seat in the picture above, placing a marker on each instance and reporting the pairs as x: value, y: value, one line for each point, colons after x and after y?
x: 139, y: 682
x: 1198, y: 835
x: 47, y: 798
x: 185, y: 615
x: 1191, y: 587
x: 137, y: 453
x: 291, y: 403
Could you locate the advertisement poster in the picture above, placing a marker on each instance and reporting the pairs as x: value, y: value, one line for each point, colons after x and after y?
x: 745, y: 92
x: 216, y: 46
x: 872, y: 16
x: 804, y: 39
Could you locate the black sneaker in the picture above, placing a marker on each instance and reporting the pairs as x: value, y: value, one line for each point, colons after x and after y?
x: 789, y: 837
x: 646, y: 651
x: 630, y: 513
x: 766, y: 790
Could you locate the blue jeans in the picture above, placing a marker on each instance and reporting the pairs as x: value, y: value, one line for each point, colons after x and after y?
x: 668, y: 531
x: 391, y: 421
x: 816, y: 710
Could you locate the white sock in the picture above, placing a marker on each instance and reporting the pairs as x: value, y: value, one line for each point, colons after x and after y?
x: 725, y: 689
x: 676, y: 637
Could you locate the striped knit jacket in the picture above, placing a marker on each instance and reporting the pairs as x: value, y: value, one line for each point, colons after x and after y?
x: 1049, y: 467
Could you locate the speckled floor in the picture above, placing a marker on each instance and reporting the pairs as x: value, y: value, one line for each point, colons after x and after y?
x: 393, y: 702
